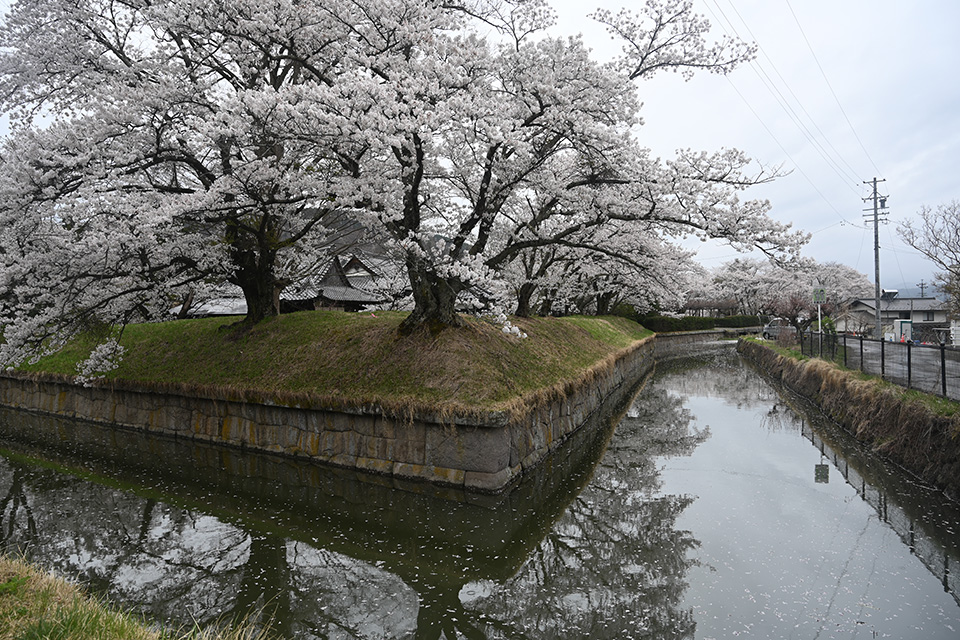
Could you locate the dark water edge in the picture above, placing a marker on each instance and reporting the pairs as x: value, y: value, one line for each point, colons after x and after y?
x: 655, y: 525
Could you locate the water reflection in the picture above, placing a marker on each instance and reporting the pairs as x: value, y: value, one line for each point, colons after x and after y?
x: 184, y: 532
x: 784, y: 555
x: 615, y: 564
x: 925, y: 521
x: 701, y: 515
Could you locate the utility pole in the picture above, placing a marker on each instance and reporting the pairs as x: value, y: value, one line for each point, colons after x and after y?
x: 879, y: 204
x: 923, y: 287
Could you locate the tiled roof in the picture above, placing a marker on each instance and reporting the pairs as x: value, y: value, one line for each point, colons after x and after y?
x: 905, y: 304
x: 349, y: 294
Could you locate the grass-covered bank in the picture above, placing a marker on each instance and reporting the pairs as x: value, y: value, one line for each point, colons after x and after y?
x: 918, y: 432
x: 334, y: 358
x: 35, y: 606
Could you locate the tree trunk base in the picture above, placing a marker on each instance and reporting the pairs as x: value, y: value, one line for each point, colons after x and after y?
x: 434, y: 323
x: 435, y: 301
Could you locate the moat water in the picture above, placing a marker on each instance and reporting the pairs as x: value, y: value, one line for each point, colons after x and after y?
x: 715, y: 507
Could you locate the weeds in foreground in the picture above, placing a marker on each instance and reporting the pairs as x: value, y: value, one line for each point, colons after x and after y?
x: 36, y: 606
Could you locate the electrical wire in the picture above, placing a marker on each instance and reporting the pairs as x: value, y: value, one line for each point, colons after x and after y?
x: 843, y: 219
x: 848, y: 178
x: 853, y: 172
x: 770, y: 85
x: 830, y: 86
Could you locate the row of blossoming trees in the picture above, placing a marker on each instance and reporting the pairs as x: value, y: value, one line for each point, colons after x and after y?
x: 756, y: 288
x: 160, y: 147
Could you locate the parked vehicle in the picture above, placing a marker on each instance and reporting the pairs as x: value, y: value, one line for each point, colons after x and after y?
x: 773, y: 329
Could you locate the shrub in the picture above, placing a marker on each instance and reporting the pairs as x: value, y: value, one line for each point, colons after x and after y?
x: 736, y: 322
x: 666, y: 324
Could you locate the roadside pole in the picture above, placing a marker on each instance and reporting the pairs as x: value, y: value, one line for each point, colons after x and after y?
x: 819, y: 297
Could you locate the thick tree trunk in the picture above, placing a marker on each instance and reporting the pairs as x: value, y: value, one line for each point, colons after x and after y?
x: 524, y: 297
x: 255, y: 277
x: 604, y: 303
x: 185, y: 306
x: 546, y: 306
x: 254, y: 258
x: 261, y: 302
x: 434, y: 299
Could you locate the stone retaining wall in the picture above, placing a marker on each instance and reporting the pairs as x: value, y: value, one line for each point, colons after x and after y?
x: 485, y: 452
x: 682, y: 343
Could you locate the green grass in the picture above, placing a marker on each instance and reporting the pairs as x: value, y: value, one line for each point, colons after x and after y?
x: 37, y: 606
x: 361, y: 358
x: 788, y: 352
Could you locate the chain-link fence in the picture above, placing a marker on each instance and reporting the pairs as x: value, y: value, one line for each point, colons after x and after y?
x: 930, y: 368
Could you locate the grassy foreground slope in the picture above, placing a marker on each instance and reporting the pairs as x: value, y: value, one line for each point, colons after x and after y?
x: 335, y: 357
x: 35, y: 605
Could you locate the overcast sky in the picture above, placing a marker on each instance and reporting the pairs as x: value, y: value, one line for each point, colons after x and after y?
x: 842, y: 91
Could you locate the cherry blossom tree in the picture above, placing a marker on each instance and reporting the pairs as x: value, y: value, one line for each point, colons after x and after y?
x: 542, y: 157
x: 937, y: 236
x: 162, y: 146
x: 642, y: 271
x: 786, y: 290
x: 193, y: 103
x: 168, y: 145
x: 744, y: 280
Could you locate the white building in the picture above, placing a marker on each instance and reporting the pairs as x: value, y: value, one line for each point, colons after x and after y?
x: 927, y: 318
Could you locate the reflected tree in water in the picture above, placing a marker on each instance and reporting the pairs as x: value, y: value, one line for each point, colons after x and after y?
x: 179, y: 562
x: 620, y: 537
x: 17, y: 524
x: 718, y: 376
x: 336, y: 596
x: 181, y: 565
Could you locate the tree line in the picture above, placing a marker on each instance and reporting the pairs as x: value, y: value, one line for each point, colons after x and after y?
x: 164, y: 148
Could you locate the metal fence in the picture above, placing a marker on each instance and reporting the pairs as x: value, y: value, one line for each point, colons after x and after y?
x: 930, y: 368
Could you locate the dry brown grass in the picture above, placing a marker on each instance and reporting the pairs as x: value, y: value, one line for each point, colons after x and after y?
x: 35, y: 605
x: 344, y: 361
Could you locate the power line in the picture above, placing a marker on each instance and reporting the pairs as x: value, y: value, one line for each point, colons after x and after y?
x: 771, y: 87
x: 830, y: 86
x: 863, y: 238
x: 853, y: 172
x: 896, y: 257
x: 787, y: 153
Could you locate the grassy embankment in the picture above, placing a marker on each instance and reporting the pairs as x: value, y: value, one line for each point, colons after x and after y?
x: 917, y: 431
x: 35, y: 606
x: 327, y: 358
x: 937, y: 405
x: 332, y: 359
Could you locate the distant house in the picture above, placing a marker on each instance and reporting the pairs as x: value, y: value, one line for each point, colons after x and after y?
x: 927, y: 316
x: 349, y: 285
x: 344, y: 283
